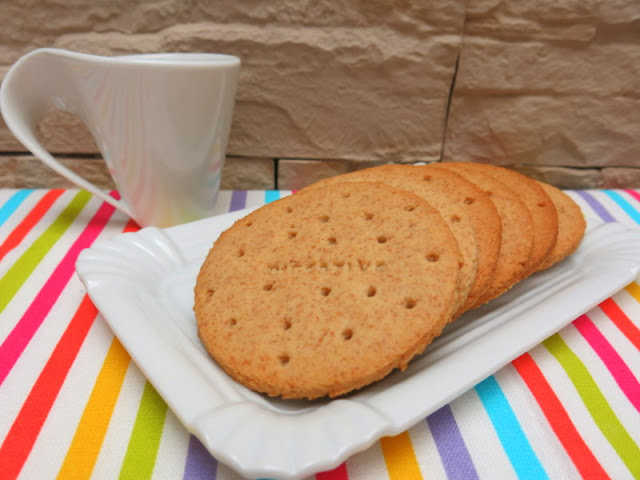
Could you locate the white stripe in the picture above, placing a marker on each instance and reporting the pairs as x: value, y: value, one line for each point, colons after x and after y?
x: 576, y: 410
x: 29, y: 365
x: 426, y: 451
x: 45, y: 221
x: 172, y: 451
x: 628, y: 304
x: 592, y: 216
x: 617, y: 400
x: 33, y: 284
x: 116, y: 441
x: 7, y: 193
x: 629, y: 354
x: 614, y: 209
x: 255, y: 198
x: 65, y: 414
x: 620, y: 213
x: 541, y: 437
x: 223, y: 202
x: 483, y: 444
x: 368, y: 464
x: 19, y: 213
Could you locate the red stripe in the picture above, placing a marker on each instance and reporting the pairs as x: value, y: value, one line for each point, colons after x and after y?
x: 27, y: 425
x: 338, y: 473
x: 558, y: 419
x: 624, y: 324
x: 131, y: 226
x: 15, y: 343
x: 25, y: 226
x: 25, y: 429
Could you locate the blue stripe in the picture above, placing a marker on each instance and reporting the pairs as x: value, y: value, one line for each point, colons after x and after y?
x: 271, y: 195
x: 596, y: 206
x: 513, y: 440
x: 12, y: 204
x: 626, y: 206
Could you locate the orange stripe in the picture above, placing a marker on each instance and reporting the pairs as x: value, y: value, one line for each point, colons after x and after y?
x: 85, y: 447
x: 87, y: 441
x: 25, y: 226
x: 400, y: 458
x: 633, y: 289
x: 26, y: 427
x: 624, y: 324
x: 558, y: 419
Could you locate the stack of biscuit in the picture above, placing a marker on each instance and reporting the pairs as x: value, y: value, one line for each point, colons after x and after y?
x: 332, y: 288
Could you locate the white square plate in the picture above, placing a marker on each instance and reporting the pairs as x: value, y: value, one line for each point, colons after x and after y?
x: 142, y: 283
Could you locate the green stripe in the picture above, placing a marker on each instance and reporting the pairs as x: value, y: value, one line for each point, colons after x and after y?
x: 596, y: 403
x: 145, y: 438
x: 29, y: 260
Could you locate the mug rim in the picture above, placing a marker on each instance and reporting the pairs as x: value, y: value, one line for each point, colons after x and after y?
x: 192, y: 59
x: 151, y: 59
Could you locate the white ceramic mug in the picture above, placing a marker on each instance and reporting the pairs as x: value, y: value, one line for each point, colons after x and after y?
x: 161, y: 122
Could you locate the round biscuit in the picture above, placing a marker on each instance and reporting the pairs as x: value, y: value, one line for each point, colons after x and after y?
x: 442, y: 198
x: 542, y: 210
x: 516, y: 235
x: 476, y: 209
x: 571, y: 225
x: 327, y: 290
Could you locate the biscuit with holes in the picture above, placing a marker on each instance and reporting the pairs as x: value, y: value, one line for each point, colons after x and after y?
x: 516, y: 236
x: 476, y: 209
x: 327, y: 290
x: 472, y: 217
x: 571, y: 226
x: 542, y: 210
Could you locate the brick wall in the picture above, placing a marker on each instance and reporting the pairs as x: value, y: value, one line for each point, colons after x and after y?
x: 327, y: 86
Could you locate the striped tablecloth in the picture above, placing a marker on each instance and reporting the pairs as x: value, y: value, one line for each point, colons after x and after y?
x: 74, y: 405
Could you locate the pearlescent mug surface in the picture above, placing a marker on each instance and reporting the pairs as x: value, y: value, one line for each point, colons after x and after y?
x: 161, y: 122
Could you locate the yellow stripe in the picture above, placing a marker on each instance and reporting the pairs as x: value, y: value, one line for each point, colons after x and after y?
x: 634, y: 290
x: 400, y: 458
x: 85, y: 446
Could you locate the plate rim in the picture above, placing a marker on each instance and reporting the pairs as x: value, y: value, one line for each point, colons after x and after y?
x: 369, y: 413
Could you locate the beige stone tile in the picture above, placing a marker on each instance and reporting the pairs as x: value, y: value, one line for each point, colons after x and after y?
x: 334, y: 80
x: 620, y: 177
x: 562, y: 177
x: 496, y: 67
x: 8, y: 175
x: 297, y: 174
x: 241, y: 173
x: 565, y: 21
x: 29, y: 172
x: 574, y: 131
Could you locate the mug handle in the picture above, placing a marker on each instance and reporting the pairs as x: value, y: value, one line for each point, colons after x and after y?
x: 29, y: 89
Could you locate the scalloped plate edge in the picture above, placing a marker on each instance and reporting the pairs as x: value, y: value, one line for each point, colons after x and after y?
x: 395, y: 403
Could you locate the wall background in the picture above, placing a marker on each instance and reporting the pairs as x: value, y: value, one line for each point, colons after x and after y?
x: 551, y: 88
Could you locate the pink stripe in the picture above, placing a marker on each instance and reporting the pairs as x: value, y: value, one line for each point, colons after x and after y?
x: 621, y: 373
x: 21, y: 335
x: 634, y: 194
